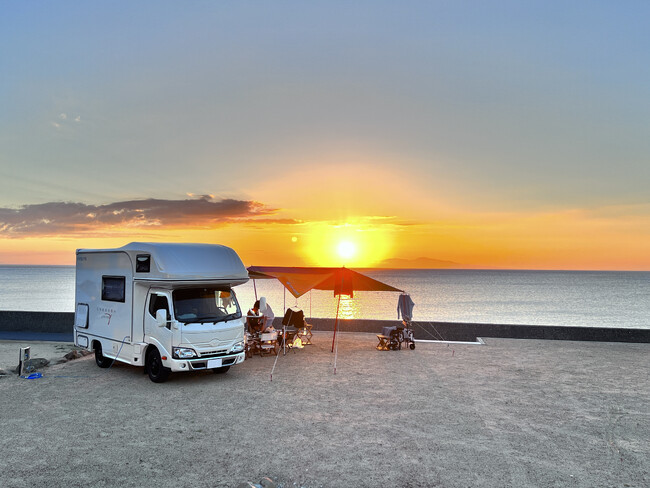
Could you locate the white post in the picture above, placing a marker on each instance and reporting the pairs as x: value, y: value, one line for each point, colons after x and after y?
x: 25, y: 353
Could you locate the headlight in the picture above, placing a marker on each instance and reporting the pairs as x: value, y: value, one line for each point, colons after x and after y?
x: 183, y: 353
x: 239, y: 347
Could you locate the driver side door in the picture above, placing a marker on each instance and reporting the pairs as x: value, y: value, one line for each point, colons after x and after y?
x: 154, y: 334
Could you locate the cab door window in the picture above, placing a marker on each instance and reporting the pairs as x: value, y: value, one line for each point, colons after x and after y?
x: 158, y: 302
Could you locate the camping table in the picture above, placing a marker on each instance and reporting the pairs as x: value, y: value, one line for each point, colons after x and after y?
x: 269, y: 343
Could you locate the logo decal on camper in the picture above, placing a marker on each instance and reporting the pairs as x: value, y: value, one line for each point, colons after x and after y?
x: 108, y: 313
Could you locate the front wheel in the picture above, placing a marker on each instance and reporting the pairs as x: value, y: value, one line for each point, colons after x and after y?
x: 101, y: 360
x: 155, y: 369
x: 220, y: 370
x: 412, y: 346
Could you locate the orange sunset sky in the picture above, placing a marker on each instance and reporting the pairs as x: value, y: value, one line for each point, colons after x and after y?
x: 329, y: 133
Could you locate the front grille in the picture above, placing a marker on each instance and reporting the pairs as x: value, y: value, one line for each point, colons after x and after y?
x: 212, y: 354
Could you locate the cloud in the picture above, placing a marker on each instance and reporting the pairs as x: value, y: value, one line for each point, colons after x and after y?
x: 70, y: 218
x: 65, y: 121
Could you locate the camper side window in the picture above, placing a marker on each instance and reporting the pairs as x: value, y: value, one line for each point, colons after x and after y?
x: 158, y: 302
x: 113, y: 288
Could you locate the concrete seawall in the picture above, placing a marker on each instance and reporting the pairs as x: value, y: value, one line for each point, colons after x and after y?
x: 39, y: 322
x: 58, y: 326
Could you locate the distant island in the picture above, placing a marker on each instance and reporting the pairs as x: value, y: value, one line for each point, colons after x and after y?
x: 418, y: 263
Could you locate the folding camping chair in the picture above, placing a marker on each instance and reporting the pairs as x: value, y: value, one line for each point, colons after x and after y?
x: 254, y: 323
x: 294, y: 327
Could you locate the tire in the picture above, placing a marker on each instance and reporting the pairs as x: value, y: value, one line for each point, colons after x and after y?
x: 155, y: 369
x: 412, y: 346
x: 221, y: 370
x: 400, y: 339
x: 101, y: 360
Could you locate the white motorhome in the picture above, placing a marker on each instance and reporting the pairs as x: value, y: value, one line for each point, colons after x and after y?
x: 167, y: 307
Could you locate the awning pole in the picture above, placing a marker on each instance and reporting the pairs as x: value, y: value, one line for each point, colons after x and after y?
x: 255, y: 288
x: 336, y: 353
x: 336, y: 322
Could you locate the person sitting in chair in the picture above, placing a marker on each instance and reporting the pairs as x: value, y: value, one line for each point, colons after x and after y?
x: 267, y: 313
x: 254, y: 319
x: 262, y: 310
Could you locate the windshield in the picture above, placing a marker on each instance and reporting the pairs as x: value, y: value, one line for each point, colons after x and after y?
x: 209, y: 304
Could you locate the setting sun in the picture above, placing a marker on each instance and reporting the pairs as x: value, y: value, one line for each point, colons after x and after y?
x: 353, y: 243
x: 347, y: 249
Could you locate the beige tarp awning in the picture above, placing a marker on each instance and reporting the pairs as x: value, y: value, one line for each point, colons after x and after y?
x: 300, y: 280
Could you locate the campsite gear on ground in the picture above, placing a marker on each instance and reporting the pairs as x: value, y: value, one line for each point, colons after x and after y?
x: 269, y: 343
x: 262, y: 343
x: 295, y: 331
x: 305, y: 334
x: 342, y: 281
x: 392, y: 338
x: 250, y: 345
x: 33, y: 376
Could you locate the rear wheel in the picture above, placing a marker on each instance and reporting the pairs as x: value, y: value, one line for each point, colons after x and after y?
x: 220, y: 370
x: 101, y: 360
x: 155, y: 369
x: 412, y: 346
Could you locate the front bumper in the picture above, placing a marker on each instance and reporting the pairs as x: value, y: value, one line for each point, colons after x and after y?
x: 197, y: 364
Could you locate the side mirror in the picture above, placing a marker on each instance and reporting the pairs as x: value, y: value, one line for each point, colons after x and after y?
x: 161, y: 317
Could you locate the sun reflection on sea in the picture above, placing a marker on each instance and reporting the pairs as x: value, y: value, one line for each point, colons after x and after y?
x: 348, y: 308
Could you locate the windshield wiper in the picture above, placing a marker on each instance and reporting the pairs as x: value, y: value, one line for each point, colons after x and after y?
x: 209, y: 317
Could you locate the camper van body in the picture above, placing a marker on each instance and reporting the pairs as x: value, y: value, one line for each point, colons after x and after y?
x: 167, y: 307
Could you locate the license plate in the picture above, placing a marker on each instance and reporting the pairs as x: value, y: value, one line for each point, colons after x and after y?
x: 214, y: 363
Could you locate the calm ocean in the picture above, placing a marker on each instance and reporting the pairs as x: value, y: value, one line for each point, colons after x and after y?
x: 579, y: 298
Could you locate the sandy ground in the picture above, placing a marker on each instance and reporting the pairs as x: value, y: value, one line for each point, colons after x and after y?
x: 510, y: 413
x: 52, y: 351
